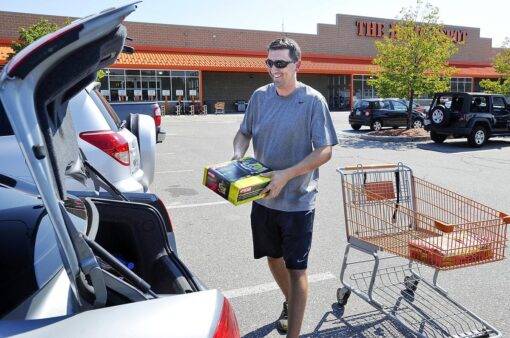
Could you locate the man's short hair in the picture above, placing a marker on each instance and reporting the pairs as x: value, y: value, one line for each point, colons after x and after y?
x: 286, y: 43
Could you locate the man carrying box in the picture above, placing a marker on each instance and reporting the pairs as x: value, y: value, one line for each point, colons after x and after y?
x: 293, y: 134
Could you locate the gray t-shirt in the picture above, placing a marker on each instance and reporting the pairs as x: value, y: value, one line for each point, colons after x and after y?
x: 286, y: 129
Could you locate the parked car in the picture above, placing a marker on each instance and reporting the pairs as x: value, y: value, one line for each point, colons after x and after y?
x: 476, y: 116
x: 93, y: 291
x: 124, y: 159
x: 126, y: 110
x: 379, y: 113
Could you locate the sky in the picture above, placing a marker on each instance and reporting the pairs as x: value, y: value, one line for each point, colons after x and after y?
x: 296, y: 16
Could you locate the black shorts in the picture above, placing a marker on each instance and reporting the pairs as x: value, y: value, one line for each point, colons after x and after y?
x: 282, y: 234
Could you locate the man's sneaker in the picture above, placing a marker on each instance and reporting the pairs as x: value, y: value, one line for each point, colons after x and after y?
x: 282, y: 323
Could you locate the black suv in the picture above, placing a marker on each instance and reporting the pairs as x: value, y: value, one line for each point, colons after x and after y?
x: 476, y: 116
x: 378, y: 113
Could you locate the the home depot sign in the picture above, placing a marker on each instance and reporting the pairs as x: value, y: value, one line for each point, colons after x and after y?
x: 378, y: 30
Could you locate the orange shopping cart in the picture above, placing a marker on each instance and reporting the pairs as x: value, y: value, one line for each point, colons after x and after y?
x: 391, y: 214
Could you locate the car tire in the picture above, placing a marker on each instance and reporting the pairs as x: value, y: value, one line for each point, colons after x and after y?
x: 439, y: 116
x: 376, y: 125
x: 478, y: 136
x: 437, y: 138
x: 417, y: 124
x: 356, y: 126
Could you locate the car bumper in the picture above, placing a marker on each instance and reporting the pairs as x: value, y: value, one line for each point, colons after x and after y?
x: 160, y: 135
x: 364, y: 121
x: 455, y: 129
x: 129, y: 184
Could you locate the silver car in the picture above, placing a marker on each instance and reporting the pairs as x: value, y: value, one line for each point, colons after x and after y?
x: 126, y: 160
x: 119, y: 277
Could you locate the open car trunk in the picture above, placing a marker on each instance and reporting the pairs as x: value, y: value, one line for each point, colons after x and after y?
x: 135, y: 233
x: 35, y: 89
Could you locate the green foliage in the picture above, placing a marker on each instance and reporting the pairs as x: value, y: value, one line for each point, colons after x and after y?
x: 100, y: 74
x: 502, y: 66
x: 30, y: 34
x: 414, y: 60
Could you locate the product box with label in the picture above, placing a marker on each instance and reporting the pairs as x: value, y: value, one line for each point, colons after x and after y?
x: 237, y: 181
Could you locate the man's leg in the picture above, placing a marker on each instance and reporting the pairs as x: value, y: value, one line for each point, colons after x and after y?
x: 280, y: 274
x: 297, y: 301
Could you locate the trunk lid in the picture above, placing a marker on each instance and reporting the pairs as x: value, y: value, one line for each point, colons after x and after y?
x: 35, y: 88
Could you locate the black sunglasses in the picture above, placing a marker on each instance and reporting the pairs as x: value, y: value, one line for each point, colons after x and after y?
x: 278, y: 63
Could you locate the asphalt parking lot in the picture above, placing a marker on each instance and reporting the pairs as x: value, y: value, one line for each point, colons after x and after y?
x: 214, y: 237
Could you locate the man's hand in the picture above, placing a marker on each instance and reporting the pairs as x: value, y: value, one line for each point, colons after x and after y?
x: 279, y: 179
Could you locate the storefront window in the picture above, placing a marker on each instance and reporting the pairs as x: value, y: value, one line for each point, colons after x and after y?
x: 192, y: 87
x: 117, y: 82
x: 361, y: 88
x: 339, y: 92
x: 114, y: 71
x: 178, y: 85
x: 461, y: 84
x: 151, y: 85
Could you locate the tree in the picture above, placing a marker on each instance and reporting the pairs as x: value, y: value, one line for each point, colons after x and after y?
x: 502, y: 65
x: 30, y: 34
x: 413, y: 60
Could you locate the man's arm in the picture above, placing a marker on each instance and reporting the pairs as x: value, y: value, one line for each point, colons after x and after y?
x: 311, y: 162
x: 241, y: 144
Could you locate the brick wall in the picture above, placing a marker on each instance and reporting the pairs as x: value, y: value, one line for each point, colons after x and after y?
x: 338, y: 39
x: 230, y: 87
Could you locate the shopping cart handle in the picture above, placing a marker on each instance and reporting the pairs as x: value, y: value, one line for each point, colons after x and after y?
x: 444, y: 227
x: 370, y: 166
x: 504, y: 217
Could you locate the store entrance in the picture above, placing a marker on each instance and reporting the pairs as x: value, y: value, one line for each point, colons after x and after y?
x: 339, y: 92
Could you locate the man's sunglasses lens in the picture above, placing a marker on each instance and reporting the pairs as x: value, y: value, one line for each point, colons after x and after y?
x: 277, y: 63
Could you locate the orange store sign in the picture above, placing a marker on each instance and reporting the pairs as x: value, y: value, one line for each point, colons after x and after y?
x: 378, y: 30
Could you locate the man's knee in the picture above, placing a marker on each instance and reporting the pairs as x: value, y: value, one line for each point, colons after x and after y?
x: 297, y: 274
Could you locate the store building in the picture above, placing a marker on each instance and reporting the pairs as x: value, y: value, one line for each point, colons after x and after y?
x: 174, y: 63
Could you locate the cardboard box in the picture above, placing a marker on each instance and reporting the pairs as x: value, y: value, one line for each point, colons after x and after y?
x: 237, y: 181
x: 451, y: 250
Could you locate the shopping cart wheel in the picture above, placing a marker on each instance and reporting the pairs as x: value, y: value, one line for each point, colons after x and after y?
x: 342, y: 295
x: 411, y: 283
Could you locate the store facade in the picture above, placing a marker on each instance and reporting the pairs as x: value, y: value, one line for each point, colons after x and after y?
x: 194, y: 65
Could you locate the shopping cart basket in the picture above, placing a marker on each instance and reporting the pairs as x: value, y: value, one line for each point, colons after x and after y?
x: 388, y: 209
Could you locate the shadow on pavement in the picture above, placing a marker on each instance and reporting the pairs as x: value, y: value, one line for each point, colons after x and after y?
x: 461, y: 145
x: 369, y: 324
x: 262, y: 331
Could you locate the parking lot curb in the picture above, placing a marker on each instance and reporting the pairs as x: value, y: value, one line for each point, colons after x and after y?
x: 400, y: 139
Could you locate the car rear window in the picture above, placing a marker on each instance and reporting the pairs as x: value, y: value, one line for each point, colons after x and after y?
x: 498, y: 103
x: 379, y: 105
x: 451, y: 102
x: 479, y: 104
x: 110, y: 115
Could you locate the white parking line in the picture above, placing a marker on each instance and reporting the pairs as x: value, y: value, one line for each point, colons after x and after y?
x: 262, y: 288
x: 177, y: 206
x: 165, y: 153
x: 173, y: 171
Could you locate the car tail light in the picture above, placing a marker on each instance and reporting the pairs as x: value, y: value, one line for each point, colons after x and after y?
x: 227, y: 326
x: 110, y: 142
x: 157, y: 114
